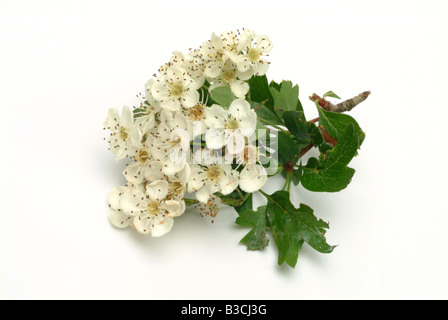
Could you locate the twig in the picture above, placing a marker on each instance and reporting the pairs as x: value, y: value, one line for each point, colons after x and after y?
x: 345, y: 106
x: 329, y: 139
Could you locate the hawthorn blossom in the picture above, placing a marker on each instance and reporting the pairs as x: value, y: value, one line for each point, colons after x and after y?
x: 235, y: 79
x: 117, y: 217
x: 171, y: 144
x: 254, y: 47
x: 174, y: 89
x: 124, y: 135
x: 217, y: 51
x: 253, y: 176
x: 237, y: 123
x: 210, y: 176
x: 211, y: 208
x: 144, y: 166
x: 152, y: 213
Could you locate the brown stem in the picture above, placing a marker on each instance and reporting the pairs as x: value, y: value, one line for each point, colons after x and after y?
x: 345, y: 106
x: 307, y: 148
x: 262, y: 103
x: 328, y: 139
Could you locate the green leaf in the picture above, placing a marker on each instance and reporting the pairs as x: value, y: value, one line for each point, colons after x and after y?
x: 247, y: 205
x: 256, y: 239
x: 331, y: 94
x: 330, y: 173
x: 222, y: 96
x: 288, y: 150
x: 304, y: 132
x: 291, y: 227
x: 263, y: 112
x: 287, y: 97
x: 296, y: 176
x: 259, y: 91
x: 336, y: 124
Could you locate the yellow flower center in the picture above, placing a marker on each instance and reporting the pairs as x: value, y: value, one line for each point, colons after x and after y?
x: 176, y: 188
x: 254, y: 55
x: 197, y: 113
x: 232, y: 124
x: 154, y: 207
x: 123, y: 134
x: 175, y: 142
x: 228, y: 76
x: 176, y: 89
x: 143, y: 156
x: 214, y: 173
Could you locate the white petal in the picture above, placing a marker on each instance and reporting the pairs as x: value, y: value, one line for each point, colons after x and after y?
x: 229, y: 183
x: 153, y: 171
x: 245, y: 40
x: 170, y: 168
x: 213, y: 70
x: 253, y: 178
x: 180, y: 122
x: 119, y: 219
x: 205, y: 192
x: 171, y: 104
x: 135, y: 135
x: 243, y: 64
x: 173, y: 207
x: 249, y: 122
x: 261, y: 67
x: 115, y: 197
x: 133, y: 202
x: 263, y: 43
x: 196, y: 180
x: 215, y: 116
x: 189, y: 99
x: 160, y: 91
x: 239, y: 109
x: 127, y: 117
x: 161, y: 226
x: 158, y: 190
x: 134, y: 173
x: 245, y: 74
x: 235, y: 141
x: 214, y: 139
x: 184, y: 174
x: 112, y: 120
x: 239, y: 88
x: 143, y: 224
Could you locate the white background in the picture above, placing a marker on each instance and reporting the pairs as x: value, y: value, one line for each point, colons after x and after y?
x: 63, y: 64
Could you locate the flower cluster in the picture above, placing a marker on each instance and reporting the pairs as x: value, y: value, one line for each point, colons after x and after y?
x: 181, y: 143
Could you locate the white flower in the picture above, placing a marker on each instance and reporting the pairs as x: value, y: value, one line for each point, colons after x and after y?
x: 196, y: 119
x: 238, y: 123
x: 152, y: 213
x: 253, y: 176
x: 254, y: 46
x: 171, y: 144
x: 211, y: 177
x: 211, y: 208
x: 235, y: 79
x: 146, y: 114
x: 175, y: 89
x: 117, y: 217
x: 144, y: 166
x: 124, y: 135
x: 217, y: 51
x: 177, y: 184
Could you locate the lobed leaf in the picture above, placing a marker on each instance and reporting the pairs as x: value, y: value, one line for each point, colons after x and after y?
x: 330, y: 173
x: 292, y: 227
x: 256, y: 239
